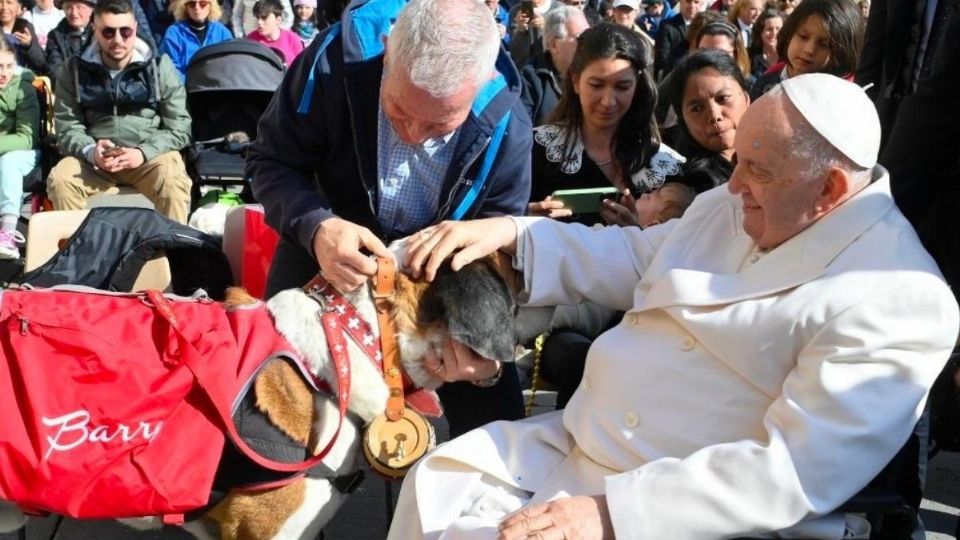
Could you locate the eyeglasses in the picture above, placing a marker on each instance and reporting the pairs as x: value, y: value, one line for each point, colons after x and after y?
x: 202, y: 4
x: 109, y: 32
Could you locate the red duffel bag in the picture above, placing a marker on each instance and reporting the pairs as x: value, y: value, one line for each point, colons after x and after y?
x: 119, y: 405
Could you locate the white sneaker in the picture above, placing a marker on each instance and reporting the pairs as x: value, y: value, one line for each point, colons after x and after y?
x: 8, y: 244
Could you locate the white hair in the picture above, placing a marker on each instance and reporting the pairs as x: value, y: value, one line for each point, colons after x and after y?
x: 555, y: 23
x: 444, y: 44
x: 810, y: 147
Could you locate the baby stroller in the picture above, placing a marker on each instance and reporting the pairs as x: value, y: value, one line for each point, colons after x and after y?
x: 229, y: 85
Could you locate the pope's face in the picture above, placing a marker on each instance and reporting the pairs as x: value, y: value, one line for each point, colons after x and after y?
x: 778, y: 202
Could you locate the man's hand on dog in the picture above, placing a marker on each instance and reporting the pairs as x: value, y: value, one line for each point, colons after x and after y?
x: 474, y: 239
x: 460, y: 363
x: 337, y: 244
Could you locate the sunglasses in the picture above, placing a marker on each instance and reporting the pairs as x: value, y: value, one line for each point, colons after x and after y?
x: 202, y: 4
x: 109, y: 32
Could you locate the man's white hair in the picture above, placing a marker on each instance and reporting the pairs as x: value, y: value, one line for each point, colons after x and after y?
x: 810, y: 147
x: 444, y: 44
x: 555, y: 23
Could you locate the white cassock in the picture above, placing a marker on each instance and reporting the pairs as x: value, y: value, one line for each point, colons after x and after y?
x: 743, y: 392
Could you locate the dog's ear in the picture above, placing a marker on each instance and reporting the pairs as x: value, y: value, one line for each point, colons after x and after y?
x: 476, y: 305
x: 503, y: 265
x: 286, y: 399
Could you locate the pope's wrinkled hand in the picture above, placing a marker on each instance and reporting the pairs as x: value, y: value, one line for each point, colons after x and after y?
x: 570, y: 518
x: 470, y: 240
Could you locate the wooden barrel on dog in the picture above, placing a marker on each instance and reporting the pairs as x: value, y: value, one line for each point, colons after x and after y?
x: 392, y: 448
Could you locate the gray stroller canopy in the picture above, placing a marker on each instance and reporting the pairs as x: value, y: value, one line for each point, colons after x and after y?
x: 239, y: 64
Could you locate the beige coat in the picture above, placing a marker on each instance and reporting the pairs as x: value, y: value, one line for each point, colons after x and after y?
x: 741, y: 394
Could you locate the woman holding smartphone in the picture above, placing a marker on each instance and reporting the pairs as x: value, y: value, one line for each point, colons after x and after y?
x: 21, y: 35
x: 603, y: 133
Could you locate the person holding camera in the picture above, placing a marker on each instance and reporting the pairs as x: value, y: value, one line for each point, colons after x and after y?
x: 526, y: 28
x: 120, y: 130
x: 22, y: 36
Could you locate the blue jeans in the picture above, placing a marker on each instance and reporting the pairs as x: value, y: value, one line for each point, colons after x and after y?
x: 14, y: 165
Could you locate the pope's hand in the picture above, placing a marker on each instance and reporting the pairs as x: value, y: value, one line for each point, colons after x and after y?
x: 581, y: 518
x: 474, y: 239
x: 337, y: 244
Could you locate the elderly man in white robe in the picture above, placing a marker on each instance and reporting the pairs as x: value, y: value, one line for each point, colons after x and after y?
x: 775, y: 354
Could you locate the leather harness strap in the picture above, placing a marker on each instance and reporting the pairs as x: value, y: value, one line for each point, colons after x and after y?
x: 384, y: 289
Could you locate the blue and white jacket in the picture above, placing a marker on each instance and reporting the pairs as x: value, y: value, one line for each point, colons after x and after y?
x: 320, y: 131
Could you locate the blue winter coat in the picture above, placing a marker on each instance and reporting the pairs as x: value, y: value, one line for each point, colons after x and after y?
x: 321, y: 128
x: 180, y: 43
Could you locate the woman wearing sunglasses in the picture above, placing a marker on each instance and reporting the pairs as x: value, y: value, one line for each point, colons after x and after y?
x: 197, y: 26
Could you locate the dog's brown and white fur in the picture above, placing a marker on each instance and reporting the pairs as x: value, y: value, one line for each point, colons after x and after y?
x: 300, y: 509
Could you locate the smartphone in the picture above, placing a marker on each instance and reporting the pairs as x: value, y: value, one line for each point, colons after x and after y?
x: 19, y: 25
x: 526, y: 7
x: 113, y: 151
x: 584, y: 201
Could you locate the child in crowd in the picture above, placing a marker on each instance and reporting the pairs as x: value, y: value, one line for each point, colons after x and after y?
x: 45, y: 17
x: 819, y: 36
x: 270, y: 33
x: 667, y: 202
x: 19, y: 126
x: 305, y: 20
x: 243, y: 18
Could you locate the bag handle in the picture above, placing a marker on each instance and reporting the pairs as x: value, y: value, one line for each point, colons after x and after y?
x: 222, y: 404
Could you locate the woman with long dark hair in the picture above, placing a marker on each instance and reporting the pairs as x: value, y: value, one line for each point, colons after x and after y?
x: 710, y: 95
x: 763, y: 49
x: 603, y: 132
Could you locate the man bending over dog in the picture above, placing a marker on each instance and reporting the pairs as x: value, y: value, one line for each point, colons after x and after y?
x: 370, y: 139
x: 777, y: 350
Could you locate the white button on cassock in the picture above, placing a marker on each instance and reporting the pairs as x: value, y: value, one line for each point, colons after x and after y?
x: 631, y: 419
x: 687, y: 343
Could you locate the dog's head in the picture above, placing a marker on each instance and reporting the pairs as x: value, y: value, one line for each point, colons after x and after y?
x: 475, y: 305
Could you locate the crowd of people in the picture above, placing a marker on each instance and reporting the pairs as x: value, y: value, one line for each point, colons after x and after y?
x: 118, y: 70
x: 764, y: 325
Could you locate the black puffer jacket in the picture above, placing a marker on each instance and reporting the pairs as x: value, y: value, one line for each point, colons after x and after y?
x: 64, y: 42
x: 541, y: 88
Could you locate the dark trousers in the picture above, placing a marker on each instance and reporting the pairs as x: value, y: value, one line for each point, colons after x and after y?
x: 466, y: 406
x: 562, y: 362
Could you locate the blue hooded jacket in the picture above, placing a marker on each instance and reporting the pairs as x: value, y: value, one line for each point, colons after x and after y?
x: 315, y: 156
